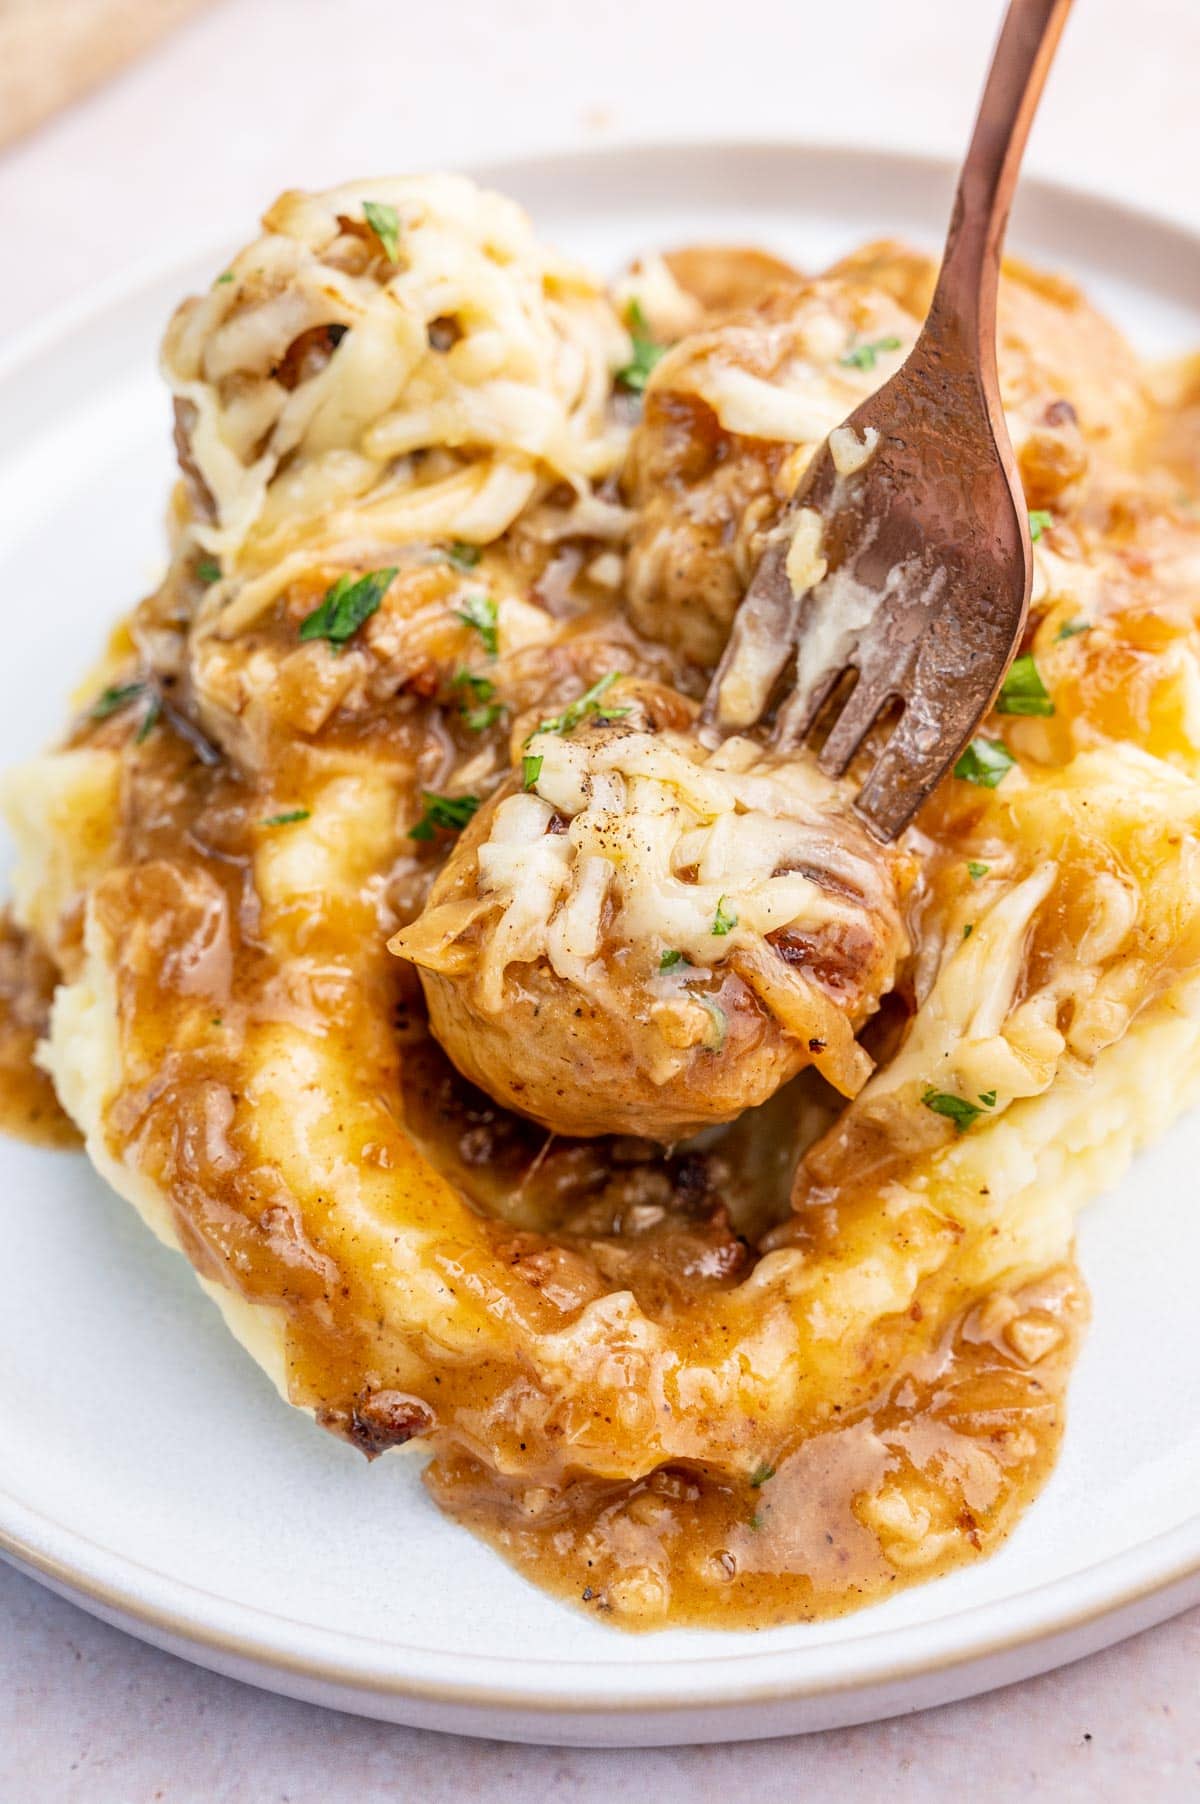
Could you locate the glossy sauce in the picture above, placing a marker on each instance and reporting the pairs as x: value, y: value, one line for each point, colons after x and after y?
x: 939, y: 1430
x: 29, y: 1108
x: 932, y: 1473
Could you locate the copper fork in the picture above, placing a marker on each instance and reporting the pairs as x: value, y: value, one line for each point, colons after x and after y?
x: 908, y: 538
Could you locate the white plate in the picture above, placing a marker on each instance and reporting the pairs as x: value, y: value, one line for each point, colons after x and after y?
x: 147, y: 1469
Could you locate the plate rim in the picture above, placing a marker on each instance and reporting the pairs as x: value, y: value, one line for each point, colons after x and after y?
x: 74, y: 1565
x: 359, y: 1677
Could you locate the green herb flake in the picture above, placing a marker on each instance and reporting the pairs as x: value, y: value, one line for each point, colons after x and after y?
x: 479, y: 611
x: 449, y: 812
x: 463, y: 555
x: 110, y: 700
x: 384, y: 221
x: 150, y: 720
x: 968, y: 930
x: 478, y: 720
x: 477, y: 709
x: 208, y: 571
x: 646, y: 351
x: 724, y: 921
x: 1024, y: 691
x: 531, y: 770
x: 1071, y: 629
x: 671, y: 958
x: 977, y: 870
x: 866, y: 356
x: 720, y: 1023
x: 226, y: 277
x: 986, y: 762
x: 955, y: 1108
x: 760, y: 1475
x: 347, y: 605
x: 755, y: 1521
x: 588, y: 703
x: 286, y: 819
x: 1040, y: 521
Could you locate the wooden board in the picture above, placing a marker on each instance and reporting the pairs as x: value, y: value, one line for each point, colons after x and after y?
x: 53, y: 51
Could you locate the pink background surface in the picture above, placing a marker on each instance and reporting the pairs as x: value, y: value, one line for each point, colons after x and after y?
x: 262, y: 94
x: 89, y: 1716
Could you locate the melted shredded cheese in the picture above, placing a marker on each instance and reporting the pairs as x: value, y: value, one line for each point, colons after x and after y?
x: 667, y: 848
x: 444, y: 390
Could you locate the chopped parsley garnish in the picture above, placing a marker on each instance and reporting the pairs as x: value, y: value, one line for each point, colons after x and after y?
x: 479, y: 611
x: 348, y: 605
x: 956, y: 1108
x: 1040, y: 521
x: 208, y: 570
x: 384, y: 221
x: 480, y: 688
x: 1071, y: 629
x: 449, y: 812
x: 226, y: 277
x: 478, y: 720
x: 646, y: 352
x: 150, y: 720
x: 1024, y: 691
x: 724, y: 921
x: 760, y: 1475
x: 866, y: 356
x: 671, y: 958
x: 111, y: 699
x: 531, y: 769
x: 986, y: 762
x: 464, y: 555
x: 477, y: 709
x: 968, y: 930
x: 588, y: 703
x: 755, y: 1521
x: 287, y: 817
x: 975, y: 869
x: 720, y: 1024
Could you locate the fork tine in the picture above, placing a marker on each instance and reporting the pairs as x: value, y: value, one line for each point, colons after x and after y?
x: 759, y: 646
x: 797, y: 714
x: 946, y: 682
x: 856, y: 720
x: 911, y: 765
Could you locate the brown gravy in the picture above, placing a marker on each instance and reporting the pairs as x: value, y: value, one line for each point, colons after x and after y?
x: 968, y: 1423
x: 29, y: 1108
x: 921, y: 1459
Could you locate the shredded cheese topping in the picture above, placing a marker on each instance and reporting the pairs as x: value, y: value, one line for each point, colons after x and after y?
x: 668, y: 848
x: 438, y: 391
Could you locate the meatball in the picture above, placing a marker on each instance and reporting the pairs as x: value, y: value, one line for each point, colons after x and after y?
x: 734, y: 411
x: 648, y: 936
x: 732, y: 415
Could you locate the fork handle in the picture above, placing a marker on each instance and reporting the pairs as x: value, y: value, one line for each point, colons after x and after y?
x: 964, y: 301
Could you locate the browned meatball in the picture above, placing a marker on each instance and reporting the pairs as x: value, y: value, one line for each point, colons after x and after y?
x: 650, y: 936
x: 732, y: 416
x: 734, y: 411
